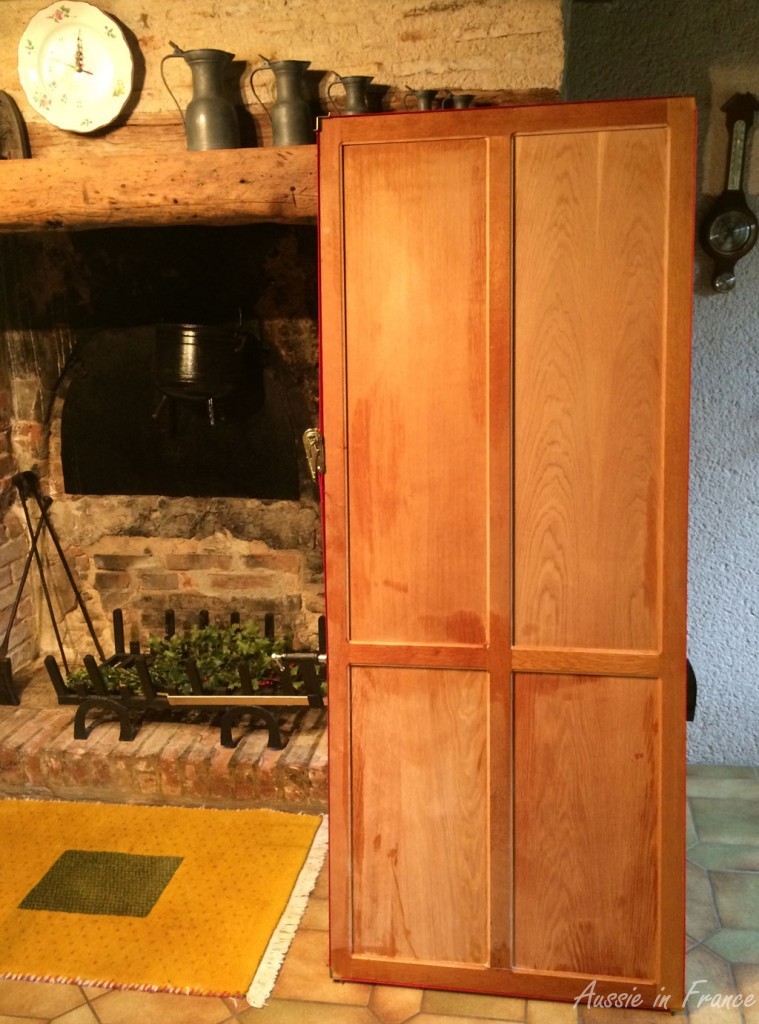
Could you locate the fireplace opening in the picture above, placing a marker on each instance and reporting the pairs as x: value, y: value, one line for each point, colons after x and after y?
x: 121, y: 433
x: 161, y: 509
x: 235, y: 304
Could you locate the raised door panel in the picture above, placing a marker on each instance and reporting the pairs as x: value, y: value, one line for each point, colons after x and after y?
x: 587, y: 825
x: 591, y: 223
x: 416, y: 372
x: 420, y: 796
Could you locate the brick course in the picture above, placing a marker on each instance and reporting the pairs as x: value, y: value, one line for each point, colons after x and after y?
x: 174, y: 763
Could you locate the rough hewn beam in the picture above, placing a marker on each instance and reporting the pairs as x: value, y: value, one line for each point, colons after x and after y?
x: 232, y: 186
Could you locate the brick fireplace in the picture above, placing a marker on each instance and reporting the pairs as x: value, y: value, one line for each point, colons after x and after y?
x: 89, y: 303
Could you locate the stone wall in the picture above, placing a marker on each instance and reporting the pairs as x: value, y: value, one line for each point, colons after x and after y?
x: 482, y: 46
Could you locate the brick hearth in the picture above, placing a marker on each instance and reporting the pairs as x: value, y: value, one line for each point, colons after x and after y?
x: 167, y: 763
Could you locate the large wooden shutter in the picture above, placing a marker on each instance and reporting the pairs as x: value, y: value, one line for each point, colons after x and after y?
x: 505, y: 302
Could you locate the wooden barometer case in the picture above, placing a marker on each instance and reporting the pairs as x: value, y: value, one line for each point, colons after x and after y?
x: 729, y: 230
x: 505, y: 332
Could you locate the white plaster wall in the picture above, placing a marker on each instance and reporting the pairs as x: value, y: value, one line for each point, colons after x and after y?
x: 628, y: 48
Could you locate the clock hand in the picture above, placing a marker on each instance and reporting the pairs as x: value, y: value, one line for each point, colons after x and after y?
x: 73, y: 66
x: 79, y: 54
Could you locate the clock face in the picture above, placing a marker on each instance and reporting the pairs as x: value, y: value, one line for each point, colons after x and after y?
x: 75, y: 66
x: 730, y: 231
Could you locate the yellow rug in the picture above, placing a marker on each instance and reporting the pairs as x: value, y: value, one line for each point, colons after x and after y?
x: 161, y: 898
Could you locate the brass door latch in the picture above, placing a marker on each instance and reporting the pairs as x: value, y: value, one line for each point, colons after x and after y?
x: 313, y: 442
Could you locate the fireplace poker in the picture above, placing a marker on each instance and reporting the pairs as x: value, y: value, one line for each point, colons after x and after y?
x: 31, y: 481
x: 25, y: 573
x: 28, y: 485
x: 34, y: 551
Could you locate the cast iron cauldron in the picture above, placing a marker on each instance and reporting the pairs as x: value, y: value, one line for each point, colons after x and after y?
x: 199, y: 361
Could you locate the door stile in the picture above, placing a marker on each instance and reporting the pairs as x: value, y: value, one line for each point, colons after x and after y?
x: 676, y: 399
x: 335, y: 527
x: 499, y: 570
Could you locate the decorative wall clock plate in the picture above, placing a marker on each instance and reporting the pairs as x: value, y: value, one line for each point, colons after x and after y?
x: 75, y: 66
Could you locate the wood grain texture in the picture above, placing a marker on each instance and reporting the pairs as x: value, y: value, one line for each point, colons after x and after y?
x: 590, y: 301
x: 587, y: 770
x: 420, y: 810
x: 417, y: 391
x: 229, y: 186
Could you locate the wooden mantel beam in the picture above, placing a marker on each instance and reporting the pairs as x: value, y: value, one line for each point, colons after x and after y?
x: 230, y: 186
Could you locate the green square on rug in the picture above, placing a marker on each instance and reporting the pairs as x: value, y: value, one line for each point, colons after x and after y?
x: 102, y: 882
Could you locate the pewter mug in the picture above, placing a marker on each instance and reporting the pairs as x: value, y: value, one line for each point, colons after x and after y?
x: 424, y: 97
x: 461, y: 100
x: 210, y: 121
x: 356, y: 98
x: 290, y: 114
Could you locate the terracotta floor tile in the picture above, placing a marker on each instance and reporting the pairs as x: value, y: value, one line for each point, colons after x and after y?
x: 316, y: 916
x: 22, y: 1020
x: 305, y: 975
x: 287, y: 1011
x: 80, y: 1015
x: 38, y: 999
x: 543, y: 1012
x: 128, y: 1007
x: 321, y: 889
x: 444, y: 1018
x: 393, y: 1005
x: 467, y: 1005
x: 611, y: 1015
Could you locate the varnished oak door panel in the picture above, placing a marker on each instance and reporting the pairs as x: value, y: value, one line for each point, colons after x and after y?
x: 586, y: 824
x: 416, y: 391
x: 589, y: 339
x: 419, y: 819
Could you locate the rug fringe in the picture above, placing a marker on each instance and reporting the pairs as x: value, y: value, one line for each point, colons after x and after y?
x: 61, y: 979
x: 282, y: 937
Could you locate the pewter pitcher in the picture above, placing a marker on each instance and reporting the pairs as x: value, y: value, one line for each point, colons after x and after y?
x: 210, y: 121
x: 424, y: 98
x: 356, y: 98
x: 290, y: 114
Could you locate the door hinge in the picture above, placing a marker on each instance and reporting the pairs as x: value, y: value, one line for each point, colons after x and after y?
x: 313, y: 442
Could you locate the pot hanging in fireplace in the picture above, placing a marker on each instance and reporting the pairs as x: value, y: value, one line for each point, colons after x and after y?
x: 199, y: 362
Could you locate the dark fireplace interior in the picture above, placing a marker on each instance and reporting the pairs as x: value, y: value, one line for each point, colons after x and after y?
x: 162, y: 499
x: 150, y: 408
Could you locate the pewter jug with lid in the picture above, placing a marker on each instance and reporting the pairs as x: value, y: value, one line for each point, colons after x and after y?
x: 210, y: 121
x: 291, y: 121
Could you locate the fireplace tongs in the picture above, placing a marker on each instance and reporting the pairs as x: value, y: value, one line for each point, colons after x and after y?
x: 28, y: 486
